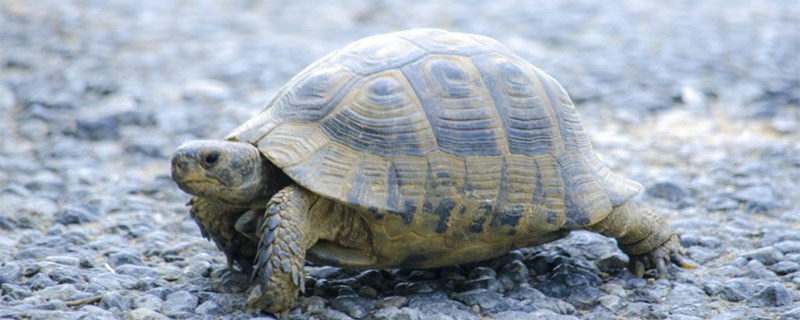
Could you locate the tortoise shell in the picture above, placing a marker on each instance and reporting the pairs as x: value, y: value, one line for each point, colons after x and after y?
x: 418, y: 128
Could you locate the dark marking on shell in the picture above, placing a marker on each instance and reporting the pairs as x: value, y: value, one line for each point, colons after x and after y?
x: 508, y: 215
x: 407, y: 211
x: 443, y: 210
x: 477, y: 224
x: 575, y: 216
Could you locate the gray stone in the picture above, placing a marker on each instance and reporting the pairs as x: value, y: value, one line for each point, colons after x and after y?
x: 63, y: 292
x: 712, y: 287
x: 209, y: 308
x: 10, y: 272
x: 112, y: 281
x: 14, y: 291
x: 78, y: 214
x: 392, y: 301
x: 721, y: 202
x: 393, y: 313
x: 367, y: 292
x: 757, y: 199
x: 144, y: 314
x: 785, y: 267
x: 116, y: 300
x: 137, y: 271
x: 773, y: 295
x: 40, y: 281
x: 585, y: 298
x: 736, y: 290
x: 667, y: 190
x: 756, y: 270
x: 371, y: 278
x: 179, y: 304
x: 685, y: 294
x: 65, y: 275
x: 793, y: 314
x: 614, y: 261
x: 480, y: 272
x: 514, y: 274
x: 609, y: 302
x: 767, y: 255
x: 407, y: 288
x: 95, y: 312
x: 105, y: 128
x: 147, y: 301
x: 438, y: 303
x: 636, y: 310
x: 788, y: 246
x: 613, y: 289
x: 353, y: 306
x: 65, y: 260
x: 483, y: 282
x: 52, y: 305
x: 332, y: 315
x: 34, y: 253
x: 485, y: 299
x: 124, y: 257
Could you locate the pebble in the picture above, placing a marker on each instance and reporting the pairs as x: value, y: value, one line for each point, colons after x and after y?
x: 10, y: 272
x: 785, y: 267
x: 773, y: 295
x: 766, y: 255
x: 179, y: 304
x: 513, y: 274
x: 667, y: 190
x: 209, y: 308
x: 124, y: 257
x: 736, y: 290
x: 483, y: 298
x: 758, y: 199
x: 353, y: 306
x: 116, y: 300
x: 147, y: 301
x: 721, y: 202
x: 78, y: 214
x: 97, y: 129
x: 15, y: 292
x: 394, y: 313
x: 392, y: 301
x: 144, y: 314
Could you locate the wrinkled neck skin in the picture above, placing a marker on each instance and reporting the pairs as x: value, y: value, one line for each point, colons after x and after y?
x: 235, y: 173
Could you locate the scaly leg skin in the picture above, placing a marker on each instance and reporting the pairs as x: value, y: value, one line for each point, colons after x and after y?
x: 217, y: 222
x: 285, y: 235
x: 645, y: 237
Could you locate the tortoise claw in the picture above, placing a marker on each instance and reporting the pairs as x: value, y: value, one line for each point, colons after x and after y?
x: 660, y: 259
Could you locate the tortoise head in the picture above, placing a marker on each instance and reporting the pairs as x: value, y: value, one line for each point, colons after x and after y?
x: 230, y: 171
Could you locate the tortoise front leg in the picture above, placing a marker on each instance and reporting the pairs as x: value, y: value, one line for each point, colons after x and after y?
x: 645, y: 237
x: 285, y: 235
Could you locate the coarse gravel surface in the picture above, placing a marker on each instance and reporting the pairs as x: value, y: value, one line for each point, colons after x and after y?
x: 699, y: 101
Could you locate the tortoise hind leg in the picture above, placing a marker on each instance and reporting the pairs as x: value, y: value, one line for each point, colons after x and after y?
x: 645, y: 237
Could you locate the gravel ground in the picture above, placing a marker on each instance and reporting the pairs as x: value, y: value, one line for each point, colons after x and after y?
x: 698, y: 101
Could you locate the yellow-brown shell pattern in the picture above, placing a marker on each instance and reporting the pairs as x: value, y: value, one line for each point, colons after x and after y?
x: 428, y: 130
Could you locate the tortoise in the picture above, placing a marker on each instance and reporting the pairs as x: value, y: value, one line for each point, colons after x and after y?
x: 416, y: 149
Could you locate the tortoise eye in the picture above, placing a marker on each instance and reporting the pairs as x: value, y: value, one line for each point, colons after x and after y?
x: 211, y: 158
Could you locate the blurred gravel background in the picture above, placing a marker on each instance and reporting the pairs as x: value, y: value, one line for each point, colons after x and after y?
x: 698, y: 101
